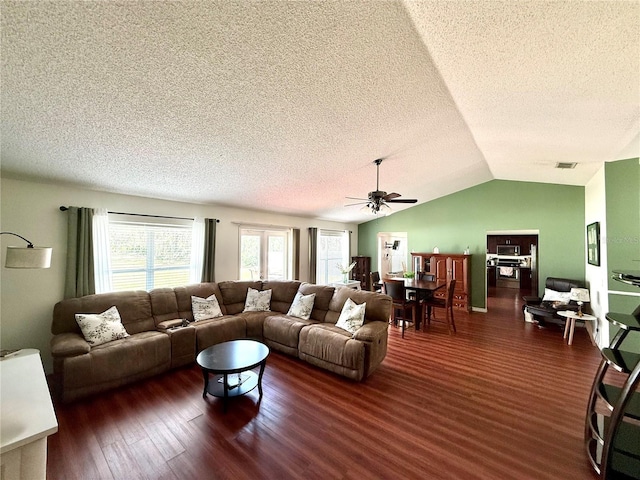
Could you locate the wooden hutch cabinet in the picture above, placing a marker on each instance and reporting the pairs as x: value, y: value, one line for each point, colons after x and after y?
x: 361, y: 271
x: 445, y: 267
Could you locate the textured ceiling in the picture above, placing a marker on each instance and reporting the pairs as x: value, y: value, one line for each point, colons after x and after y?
x: 283, y: 106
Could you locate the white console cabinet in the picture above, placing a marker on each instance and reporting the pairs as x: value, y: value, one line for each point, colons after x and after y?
x: 27, y: 417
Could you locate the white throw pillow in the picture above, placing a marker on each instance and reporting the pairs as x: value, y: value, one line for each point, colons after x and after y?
x: 302, y: 306
x: 352, y: 316
x: 257, y: 301
x: 204, y: 308
x: 554, y: 296
x: 99, y: 328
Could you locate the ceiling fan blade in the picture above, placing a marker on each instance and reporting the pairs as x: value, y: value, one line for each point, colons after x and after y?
x: 357, y: 198
x: 402, y: 200
x: 391, y: 195
x: 359, y: 203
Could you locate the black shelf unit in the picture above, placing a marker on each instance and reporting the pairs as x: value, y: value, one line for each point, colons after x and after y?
x: 613, y: 441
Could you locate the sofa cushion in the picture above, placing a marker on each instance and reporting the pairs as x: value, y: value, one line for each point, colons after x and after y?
x: 302, y: 306
x: 282, y: 293
x: 234, y: 295
x: 99, y: 328
x: 378, y: 306
x: 331, y: 344
x: 118, y: 360
x: 352, y: 316
x: 204, y: 308
x: 217, y: 330
x: 257, y: 301
x: 324, y: 294
x: 134, y: 308
x: 284, y: 329
x: 202, y: 290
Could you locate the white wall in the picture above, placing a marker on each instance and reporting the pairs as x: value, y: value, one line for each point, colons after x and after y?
x: 32, y: 210
x: 596, y: 277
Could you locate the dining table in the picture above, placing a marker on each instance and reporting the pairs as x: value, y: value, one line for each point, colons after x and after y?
x: 423, y: 288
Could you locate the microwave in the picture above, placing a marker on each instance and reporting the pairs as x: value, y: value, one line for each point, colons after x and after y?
x: 508, y: 249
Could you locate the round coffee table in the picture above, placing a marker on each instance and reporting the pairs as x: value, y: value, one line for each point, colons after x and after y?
x: 231, y: 363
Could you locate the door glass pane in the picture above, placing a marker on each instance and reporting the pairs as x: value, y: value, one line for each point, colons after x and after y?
x: 250, y: 257
x: 276, y: 257
x: 332, y: 248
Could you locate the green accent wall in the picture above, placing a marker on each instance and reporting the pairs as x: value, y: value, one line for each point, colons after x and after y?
x: 622, y: 238
x: 463, y: 218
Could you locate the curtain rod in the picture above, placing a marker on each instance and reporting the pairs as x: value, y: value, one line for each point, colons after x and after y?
x: 260, y: 225
x: 64, y: 209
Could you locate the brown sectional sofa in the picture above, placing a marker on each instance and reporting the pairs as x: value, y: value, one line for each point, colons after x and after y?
x: 155, y: 345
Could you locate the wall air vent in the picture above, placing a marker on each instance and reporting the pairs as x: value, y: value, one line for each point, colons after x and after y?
x: 566, y: 165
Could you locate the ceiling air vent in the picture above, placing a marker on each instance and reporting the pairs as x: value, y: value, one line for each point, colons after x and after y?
x: 566, y: 165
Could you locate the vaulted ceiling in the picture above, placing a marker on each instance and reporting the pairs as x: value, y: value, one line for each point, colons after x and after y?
x: 283, y: 106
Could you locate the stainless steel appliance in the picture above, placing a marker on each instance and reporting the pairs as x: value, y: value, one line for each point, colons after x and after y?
x: 508, y: 250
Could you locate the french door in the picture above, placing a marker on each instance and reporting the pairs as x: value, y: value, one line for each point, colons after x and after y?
x: 265, y: 254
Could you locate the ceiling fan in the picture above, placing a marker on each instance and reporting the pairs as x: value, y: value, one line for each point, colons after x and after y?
x: 376, y: 201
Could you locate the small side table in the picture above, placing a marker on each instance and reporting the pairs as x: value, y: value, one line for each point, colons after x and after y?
x: 355, y: 284
x: 570, y: 325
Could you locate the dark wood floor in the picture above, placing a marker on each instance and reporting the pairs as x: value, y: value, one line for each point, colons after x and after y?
x: 501, y: 399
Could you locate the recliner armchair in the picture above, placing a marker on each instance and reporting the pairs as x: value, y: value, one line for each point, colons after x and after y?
x: 538, y: 307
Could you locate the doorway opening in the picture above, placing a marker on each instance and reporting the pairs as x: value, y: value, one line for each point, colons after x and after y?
x: 511, y: 264
x: 392, y: 253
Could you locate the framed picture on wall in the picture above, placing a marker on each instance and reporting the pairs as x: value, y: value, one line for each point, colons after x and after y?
x: 593, y: 243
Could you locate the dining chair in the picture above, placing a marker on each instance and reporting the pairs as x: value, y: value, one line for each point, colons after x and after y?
x: 446, y: 303
x: 395, y: 289
x: 429, y: 277
x: 374, y: 282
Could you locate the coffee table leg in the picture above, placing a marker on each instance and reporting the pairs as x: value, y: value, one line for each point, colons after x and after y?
x: 262, y: 365
x: 225, y: 387
x: 205, y: 374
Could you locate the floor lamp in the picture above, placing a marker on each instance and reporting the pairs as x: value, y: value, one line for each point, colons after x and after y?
x: 27, y: 257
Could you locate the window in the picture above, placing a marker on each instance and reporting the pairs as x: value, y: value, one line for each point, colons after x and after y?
x: 265, y: 254
x: 333, y: 249
x: 149, y: 253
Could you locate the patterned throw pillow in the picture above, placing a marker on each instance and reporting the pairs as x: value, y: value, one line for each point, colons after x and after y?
x: 204, y: 308
x: 352, y: 316
x: 553, y: 296
x: 99, y: 328
x: 302, y: 306
x: 257, y: 301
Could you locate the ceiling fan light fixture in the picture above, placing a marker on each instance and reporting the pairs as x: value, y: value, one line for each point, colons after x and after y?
x: 384, y: 209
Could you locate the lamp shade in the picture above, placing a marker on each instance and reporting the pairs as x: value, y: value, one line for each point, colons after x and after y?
x: 579, y: 294
x: 28, y: 257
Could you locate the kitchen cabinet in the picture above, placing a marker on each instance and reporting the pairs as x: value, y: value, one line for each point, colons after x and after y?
x: 446, y: 267
x: 523, y: 241
x: 361, y: 271
x: 491, y: 276
x: 525, y: 280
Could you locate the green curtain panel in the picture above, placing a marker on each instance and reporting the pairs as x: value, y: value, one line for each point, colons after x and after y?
x: 80, y: 277
x: 296, y: 253
x: 209, y: 261
x: 313, y: 254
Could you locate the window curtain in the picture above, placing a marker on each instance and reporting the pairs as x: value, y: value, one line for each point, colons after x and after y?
x: 80, y: 278
x: 313, y: 254
x: 209, y: 259
x: 197, y: 250
x: 101, y: 251
x: 295, y: 253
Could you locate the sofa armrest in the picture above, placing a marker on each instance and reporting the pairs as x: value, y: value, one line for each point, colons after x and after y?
x: 167, y: 324
x: 371, y: 331
x: 69, y: 345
